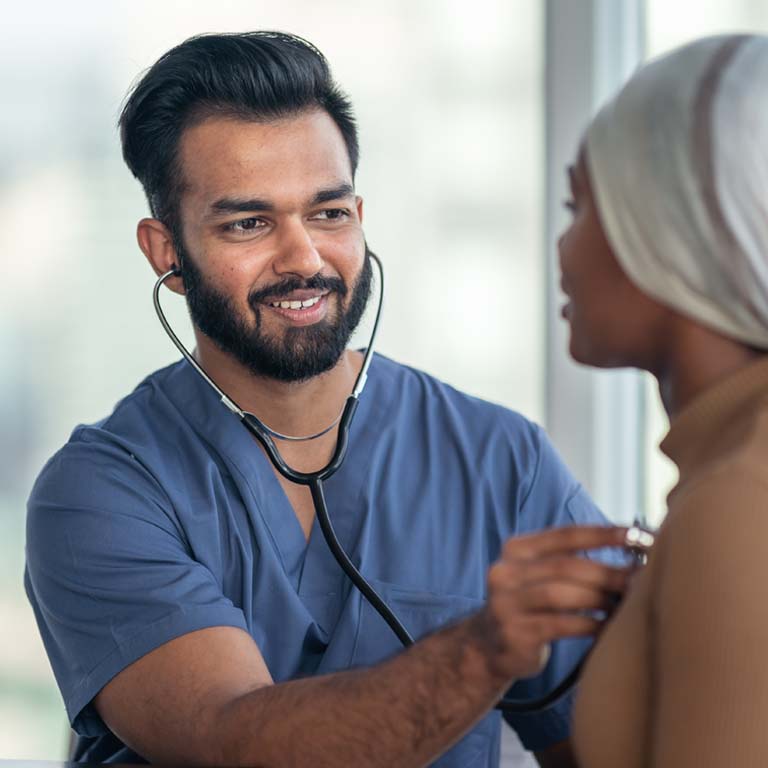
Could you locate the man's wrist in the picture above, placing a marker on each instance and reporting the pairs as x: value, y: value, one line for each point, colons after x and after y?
x: 484, y: 651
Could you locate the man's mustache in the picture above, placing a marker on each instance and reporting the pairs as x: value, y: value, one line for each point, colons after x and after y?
x: 314, y: 283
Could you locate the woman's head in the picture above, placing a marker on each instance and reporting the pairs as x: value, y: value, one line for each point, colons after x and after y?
x: 671, y: 217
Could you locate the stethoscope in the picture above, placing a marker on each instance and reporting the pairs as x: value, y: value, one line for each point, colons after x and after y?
x: 638, y: 540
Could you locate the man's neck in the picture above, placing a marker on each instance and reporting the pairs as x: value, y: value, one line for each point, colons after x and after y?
x: 291, y: 408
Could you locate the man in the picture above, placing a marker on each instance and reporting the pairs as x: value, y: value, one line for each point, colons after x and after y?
x: 191, y: 612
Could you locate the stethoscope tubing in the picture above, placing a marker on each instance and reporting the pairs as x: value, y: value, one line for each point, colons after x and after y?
x: 314, y: 481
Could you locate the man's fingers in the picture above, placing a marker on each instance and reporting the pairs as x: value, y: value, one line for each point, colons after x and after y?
x: 557, y: 596
x: 560, y: 541
x: 569, y: 625
x: 577, y: 570
x: 545, y: 628
x: 509, y: 577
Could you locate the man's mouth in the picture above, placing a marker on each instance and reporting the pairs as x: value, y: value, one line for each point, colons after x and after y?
x: 301, y: 299
x: 286, y: 304
x: 302, y: 307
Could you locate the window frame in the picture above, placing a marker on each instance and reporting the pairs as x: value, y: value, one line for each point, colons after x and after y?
x: 595, y: 418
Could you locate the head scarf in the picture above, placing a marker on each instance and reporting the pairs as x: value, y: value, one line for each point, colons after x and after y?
x: 678, y: 163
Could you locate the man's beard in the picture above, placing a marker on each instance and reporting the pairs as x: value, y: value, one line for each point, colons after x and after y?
x: 302, y: 352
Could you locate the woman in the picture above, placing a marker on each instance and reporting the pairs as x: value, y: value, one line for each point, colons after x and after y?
x: 665, y: 266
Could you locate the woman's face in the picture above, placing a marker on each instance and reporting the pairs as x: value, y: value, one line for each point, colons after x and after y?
x: 612, y: 323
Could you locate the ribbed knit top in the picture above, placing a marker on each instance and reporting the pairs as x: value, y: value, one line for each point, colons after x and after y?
x: 679, y: 678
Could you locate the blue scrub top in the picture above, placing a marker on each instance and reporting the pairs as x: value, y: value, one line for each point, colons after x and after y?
x: 167, y: 517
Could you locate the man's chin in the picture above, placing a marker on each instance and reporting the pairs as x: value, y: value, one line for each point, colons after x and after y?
x: 294, y: 361
x: 292, y: 374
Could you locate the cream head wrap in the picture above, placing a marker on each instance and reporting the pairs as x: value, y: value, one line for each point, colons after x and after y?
x: 678, y: 162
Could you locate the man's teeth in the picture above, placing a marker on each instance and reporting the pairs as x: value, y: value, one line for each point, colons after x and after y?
x: 296, y: 304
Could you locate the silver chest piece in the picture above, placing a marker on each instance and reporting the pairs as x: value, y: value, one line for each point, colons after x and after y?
x: 639, y: 541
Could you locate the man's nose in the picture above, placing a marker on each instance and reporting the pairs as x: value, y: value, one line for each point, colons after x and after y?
x: 297, y: 253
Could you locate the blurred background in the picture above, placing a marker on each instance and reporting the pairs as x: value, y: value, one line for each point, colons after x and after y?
x: 450, y: 101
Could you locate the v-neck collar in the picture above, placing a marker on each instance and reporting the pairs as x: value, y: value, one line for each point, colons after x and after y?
x: 308, y: 563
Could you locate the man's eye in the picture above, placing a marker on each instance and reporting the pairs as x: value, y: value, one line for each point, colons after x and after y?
x: 569, y: 205
x: 332, y: 214
x: 244, y: 225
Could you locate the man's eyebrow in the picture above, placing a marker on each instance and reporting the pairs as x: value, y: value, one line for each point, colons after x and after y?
x: 241, y: 205
x: 253, y: 204
x: 336, y: 193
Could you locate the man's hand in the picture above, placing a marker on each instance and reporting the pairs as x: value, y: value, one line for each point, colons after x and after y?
x: 541, y: 589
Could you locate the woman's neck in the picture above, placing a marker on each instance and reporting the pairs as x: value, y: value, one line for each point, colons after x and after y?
x: 698, y: 358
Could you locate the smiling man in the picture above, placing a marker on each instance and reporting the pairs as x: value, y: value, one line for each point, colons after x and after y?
x: 189, y: 605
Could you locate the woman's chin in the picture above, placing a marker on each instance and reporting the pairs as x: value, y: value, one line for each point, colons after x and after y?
x: 578, y: 355
x: 584, y: 353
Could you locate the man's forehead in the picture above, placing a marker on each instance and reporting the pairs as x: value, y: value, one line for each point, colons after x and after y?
x: 234, y: 158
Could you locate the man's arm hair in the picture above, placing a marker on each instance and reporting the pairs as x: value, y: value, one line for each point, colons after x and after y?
x: 206, y: 698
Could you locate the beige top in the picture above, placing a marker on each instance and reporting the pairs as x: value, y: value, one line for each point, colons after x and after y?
x: 679, y: 679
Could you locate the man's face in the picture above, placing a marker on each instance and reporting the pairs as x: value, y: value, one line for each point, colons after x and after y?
x: 273, y: 256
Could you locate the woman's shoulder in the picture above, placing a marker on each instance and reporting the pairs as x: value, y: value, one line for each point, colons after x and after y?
x: 729, y: 495
x: 715, y: 536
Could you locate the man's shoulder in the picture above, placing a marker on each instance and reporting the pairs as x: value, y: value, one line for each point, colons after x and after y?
x: 416, y: 389
x: 138, y: 423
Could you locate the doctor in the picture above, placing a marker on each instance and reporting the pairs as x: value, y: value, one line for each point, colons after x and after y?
x: 191, y: 610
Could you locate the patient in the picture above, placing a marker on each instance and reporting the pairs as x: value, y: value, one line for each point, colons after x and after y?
x: 665, y: 266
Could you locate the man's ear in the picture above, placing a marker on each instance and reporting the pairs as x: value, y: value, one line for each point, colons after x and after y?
x: 359, y: 206
x: 156, y: 243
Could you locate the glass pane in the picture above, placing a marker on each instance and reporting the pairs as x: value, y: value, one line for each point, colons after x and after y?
x: 448, y: 100
x: 673, y: 24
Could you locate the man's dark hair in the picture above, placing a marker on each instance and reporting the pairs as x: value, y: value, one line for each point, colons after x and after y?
x: 258, y: 76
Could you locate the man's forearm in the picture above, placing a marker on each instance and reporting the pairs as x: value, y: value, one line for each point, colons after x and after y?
x: 404, y: 712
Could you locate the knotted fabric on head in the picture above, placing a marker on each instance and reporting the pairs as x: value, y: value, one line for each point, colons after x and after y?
x: 678, y: 163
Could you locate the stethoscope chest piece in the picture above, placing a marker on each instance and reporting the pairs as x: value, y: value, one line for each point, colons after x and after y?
x: 639, y: 541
